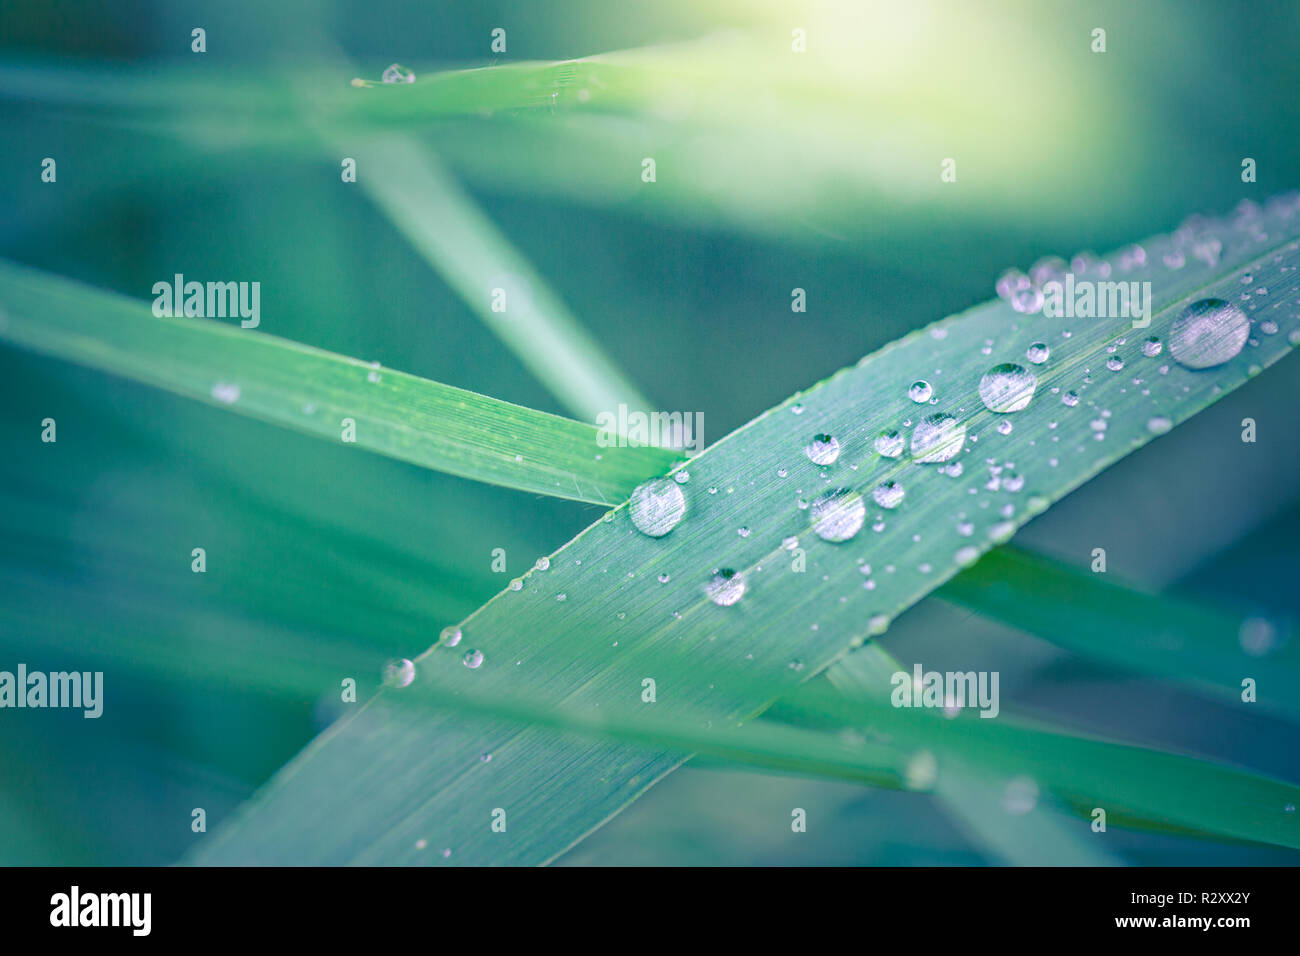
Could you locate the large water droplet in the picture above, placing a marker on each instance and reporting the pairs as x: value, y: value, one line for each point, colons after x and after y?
x: 839, y: 515
x: 888, y: 494
x: 726, y: 587
x: 823, y: 450
x: 657, y: 506
x: 1208, y: 333
x: 937, y: 438
x: 1007, y: 387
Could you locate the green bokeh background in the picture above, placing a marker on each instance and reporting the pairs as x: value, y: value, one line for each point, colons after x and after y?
x: 213, y: 681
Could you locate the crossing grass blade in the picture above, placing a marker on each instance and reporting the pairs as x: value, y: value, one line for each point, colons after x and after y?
x: 615, y: 609
x: 393, y: 413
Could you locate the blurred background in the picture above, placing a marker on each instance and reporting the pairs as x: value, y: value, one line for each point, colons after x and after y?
x: 774, y: 171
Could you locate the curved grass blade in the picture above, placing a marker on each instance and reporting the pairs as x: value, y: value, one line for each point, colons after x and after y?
x: 615, y: 608
x: 393, y: 413
x: 1159, y: 635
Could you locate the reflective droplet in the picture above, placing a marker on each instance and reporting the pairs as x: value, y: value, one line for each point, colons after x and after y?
x: 726, y: 587
x: 1114, y: 363
x: 1007, y: 388
x: 400, y: 74
x: 450, y: 636
x: 1004, y: 427
x: 823, y: 450
x: 967, y: 556
x: 888, y: 494
x: 839, y: 515
x: 542, y: 564
x: 1152, y: 347
x: 1038, y: 353
x: 682, y: 477
x: 920, y: 392
x: 517, y: 584
x: 1011, y: 282
x: 1208, y: 333
x: 889, y: 443
x: 1159, y: 424
x: 657, y: 507
x: 472, y: 659
x: 937, y: 438
x: 1027, y: 301
x: 226, y: 393
x: 1070, y: 398
x: 399, y: 673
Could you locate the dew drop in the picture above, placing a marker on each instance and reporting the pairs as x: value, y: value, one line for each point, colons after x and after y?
x: 937, y: 438
x: 889, y: 444
x: 1208, y: 333
x: 542, y: 564
x: 450, y: 636
x: 1114, y: 363
x: 399, y: 673
x: 967, y: 556
x: 682, y: 477
x: 1070, y: 398
x: 1007, y: 387
x: 726, y: 587
x: 1152, y: 347
x: 1038, y: 353
x: 226, y: 393
x: 888, y: 494
x: 1159, y: 424
x: 920, y: 392
x: 657, y: 507
x: 839, y: 515
x: 1027, y: 301
x: 472, y: 659
x: 398, y: 74
x: 823, y: 450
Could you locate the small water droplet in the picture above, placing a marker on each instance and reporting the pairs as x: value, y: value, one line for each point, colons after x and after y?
x: 450, y: 636
x: 796, y: 409
x: 517, y: 584
x: 1159, y: 424
x: 1208, y: 333
x: 1027, y: 301
x: 743, y: 531
x: 823, y: 450
x: 937, y: 438
x: 399, y: 673
x: 472, y: 659
x: 225, y: 392
x: 400, y: 74
x: 1038, y: 353
x: 665, y: 578
x: 888, y: 494
x: 1114, y: 363
x: 1152, y: 347
x: 1004, y: 427
x: 920, y: 391
x: 838, y: 516
x: 889, y: 444
x: 1070, y: 398
x: 1007, y: 388
x: 542, y: 564
x: 967, y: 556
x: 657, y: 507
x: 726, y: 587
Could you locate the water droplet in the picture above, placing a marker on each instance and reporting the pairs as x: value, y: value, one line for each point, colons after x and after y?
x: 561, y: 597
x: 1159, y: 424
x: 1013, y: 482
x: 937, y: 438
x: 1020, y: 795
x: 399, y: 673
x: 920, y: 392
x: 1011, y: 282
x: 1070, y: 398
x: 1004, y: 427
x: 1208, y: 333
x: 888, y: 494
x: 967, y: 556
x: 485, y: 757
x: 1027, y: 301
x: 796, y: 409
x: 398, y: 74
x: 1114, y: 363
x: 226, y: 393
x: 682, y: 477
x: 664, y: 578
x: 1038, y: 353
x: 657, y: 507
x: 472, y: 659
x: 781, y: 472
x: 839, y: 515
x: 889, y: 444
x: 1007, y: 387
x: 823, y: 450
x: 743, y: 532
x: 726, y: 587
x: 450, y: 636
x: 517, y: 584
x: 1152, y: 347
x: 542, y: 564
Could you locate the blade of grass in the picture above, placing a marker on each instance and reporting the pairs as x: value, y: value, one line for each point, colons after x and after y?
x: 1160, y: 635
x: 616, y: 608
x: 396, y: 414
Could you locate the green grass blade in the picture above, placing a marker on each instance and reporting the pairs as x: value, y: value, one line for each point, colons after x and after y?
x: 1087, y: 614
x: 616, y: 607
x: 1132, y: 784
x: 395, y: 414
x: 473, y: 257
